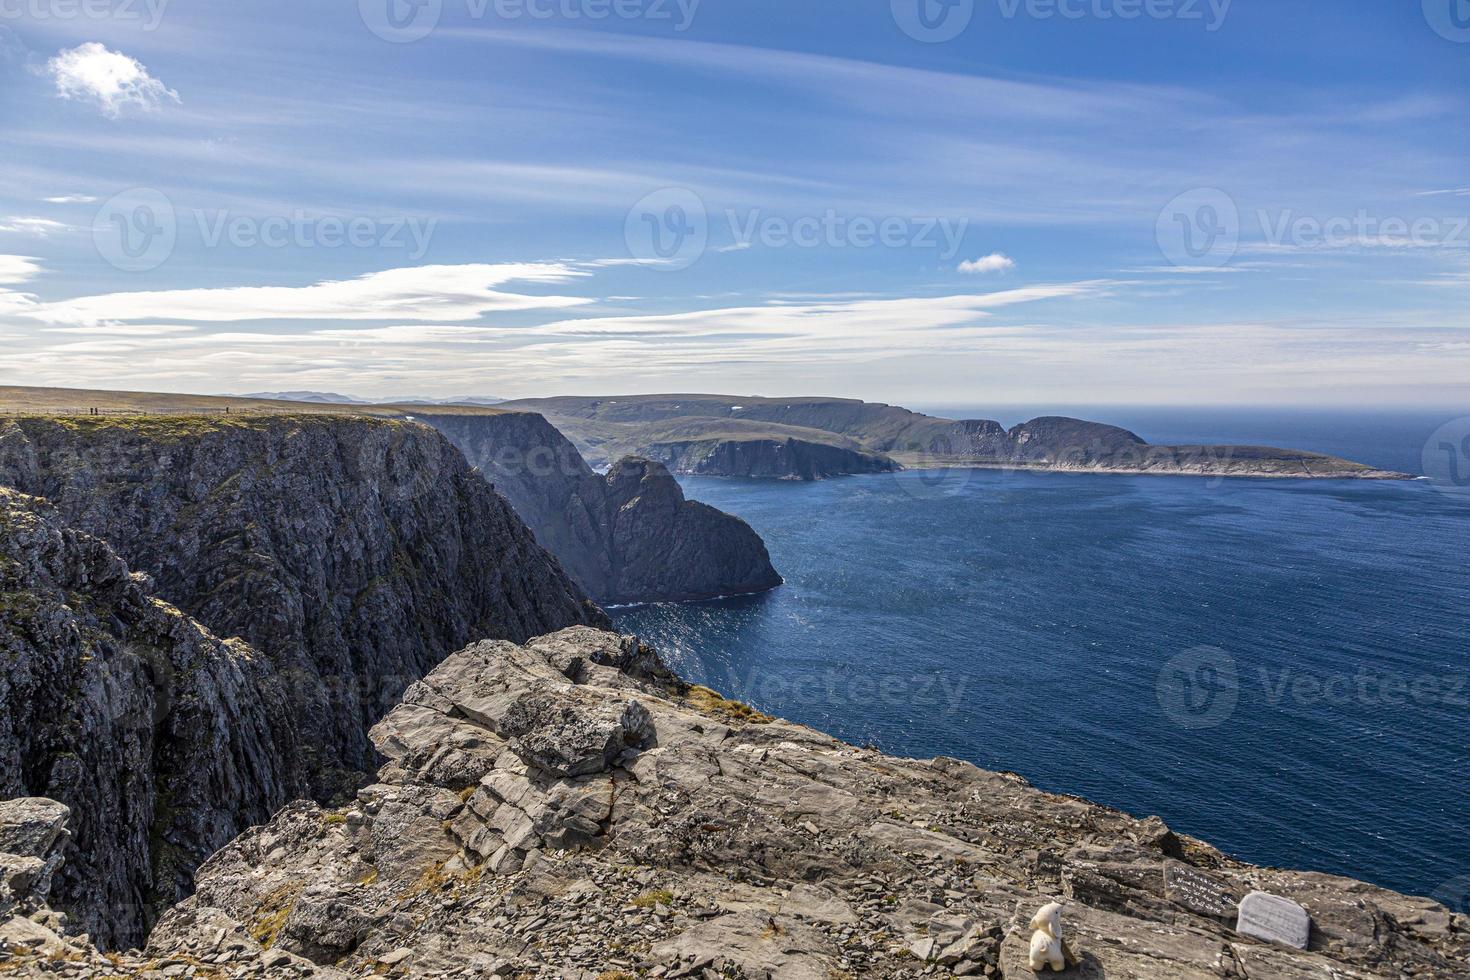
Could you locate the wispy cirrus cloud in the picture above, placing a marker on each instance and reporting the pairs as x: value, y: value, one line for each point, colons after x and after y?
x: 30, y: 226
x: 432, y: 292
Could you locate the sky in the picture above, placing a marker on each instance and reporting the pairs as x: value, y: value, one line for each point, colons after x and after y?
x: 1021, y: 202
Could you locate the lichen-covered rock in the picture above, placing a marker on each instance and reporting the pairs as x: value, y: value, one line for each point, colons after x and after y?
x: 732, y: 845
x: 32, y: 835
x: 353, y: 553
x: 626, y: 537
x: 162, y: 740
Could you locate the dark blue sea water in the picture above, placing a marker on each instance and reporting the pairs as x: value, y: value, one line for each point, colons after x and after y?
x: 1280, y: 667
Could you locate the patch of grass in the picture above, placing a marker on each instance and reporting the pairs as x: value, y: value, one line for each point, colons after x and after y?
x: 272, y: 914
x: 333, y: 819
x: 709, y: 702
x: 616, y: 975
x: 658, y: 896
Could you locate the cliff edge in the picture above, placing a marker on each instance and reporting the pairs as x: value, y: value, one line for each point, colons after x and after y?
x: 353, y: 553
x: 627, y: 537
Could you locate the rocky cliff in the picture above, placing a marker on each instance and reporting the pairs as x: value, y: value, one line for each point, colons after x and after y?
x: 626, y: 537
x: 164, y: 741
x: 777, y: 459
x: 353, y: 553
x: 569, y: 809
x: 913, y: 439
x: 678, y: 549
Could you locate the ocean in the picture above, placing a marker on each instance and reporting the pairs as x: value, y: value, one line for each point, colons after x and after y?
x: 1278, y: 667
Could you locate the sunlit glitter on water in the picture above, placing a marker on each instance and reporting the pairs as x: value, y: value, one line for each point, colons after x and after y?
x: 1277, y: 667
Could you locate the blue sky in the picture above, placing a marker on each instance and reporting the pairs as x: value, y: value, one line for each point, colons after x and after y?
x: 1257, y: 202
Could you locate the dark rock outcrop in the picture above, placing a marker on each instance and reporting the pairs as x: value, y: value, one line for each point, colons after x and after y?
x: 626, y: 537
x: 164, y: 741
x: 777, y: 459
x: 690, y: 836
x: 672, y: 548
x: 353, y: 553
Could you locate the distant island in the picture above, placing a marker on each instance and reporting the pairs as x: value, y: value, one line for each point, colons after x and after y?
x: 815, y: 438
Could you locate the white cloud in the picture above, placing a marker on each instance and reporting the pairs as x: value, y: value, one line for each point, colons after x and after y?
x: 430, y: 292
x: 18, y: 268
x: 111, y: 79
x: 994, y: 262
x: 31, y: 226
x: 71, y: 199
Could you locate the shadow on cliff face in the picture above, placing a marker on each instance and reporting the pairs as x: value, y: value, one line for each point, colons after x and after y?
x: 352, y: 555
x: 628, y: 536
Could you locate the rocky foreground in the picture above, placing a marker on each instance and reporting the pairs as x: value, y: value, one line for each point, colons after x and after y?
x: 568, y: 808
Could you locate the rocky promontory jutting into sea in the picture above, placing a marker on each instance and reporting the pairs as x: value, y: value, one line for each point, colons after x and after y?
x: 303, y: 695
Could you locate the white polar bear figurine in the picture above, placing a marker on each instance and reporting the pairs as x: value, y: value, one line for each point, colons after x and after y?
x: 1046, y: 941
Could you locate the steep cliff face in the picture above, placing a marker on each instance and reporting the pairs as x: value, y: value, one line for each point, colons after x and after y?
x: 666, y: 546
x: 779, y: 459
x: 165, y: 741
x: 567, y: 808
x: 353, y: 553
x: 627, y: 537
